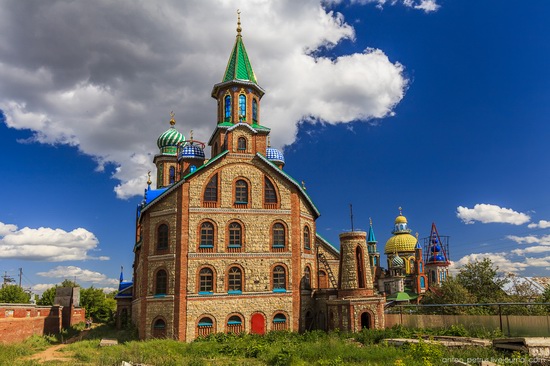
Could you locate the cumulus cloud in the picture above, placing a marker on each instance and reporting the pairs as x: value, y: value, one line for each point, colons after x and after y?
x: 500, y: 260
x: 103, y: 76
x: 486, y: 213
x: 427, y: 6
x: 80, y: 274
x: 46, y: 244
x: 542, y: 241
x: 542, y: 224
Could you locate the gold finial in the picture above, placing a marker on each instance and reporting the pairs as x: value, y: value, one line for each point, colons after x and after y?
x: 191, y: 135
x: 400, y: 211
x: 172, y: 120
x: 370, y: 221
x: 149, y: 178
x: 268, y: 141
x: 239, y: 29
x: 303, y: 185
x: 417, y: 236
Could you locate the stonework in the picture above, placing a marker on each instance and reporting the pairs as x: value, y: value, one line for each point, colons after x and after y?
x: 231, y: 245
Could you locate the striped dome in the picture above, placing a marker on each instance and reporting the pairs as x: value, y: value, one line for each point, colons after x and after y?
x: 191, y: 151
x: 275, y: 155
x: 397, y: 261
x: 169, y: 140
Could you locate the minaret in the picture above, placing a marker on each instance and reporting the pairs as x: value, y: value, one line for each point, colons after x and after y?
x: 420, y: 281
x: 167, y: 158
x: 374, y: 255
x: 238, y: 96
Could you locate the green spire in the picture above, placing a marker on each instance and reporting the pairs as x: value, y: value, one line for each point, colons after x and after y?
x: 238, y: 67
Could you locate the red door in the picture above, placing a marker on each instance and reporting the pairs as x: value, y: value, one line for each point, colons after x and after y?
x: 258, y: 324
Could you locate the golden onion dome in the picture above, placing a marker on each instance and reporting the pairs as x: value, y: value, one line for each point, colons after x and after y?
x: 400, y: 219
x: 400, y: 243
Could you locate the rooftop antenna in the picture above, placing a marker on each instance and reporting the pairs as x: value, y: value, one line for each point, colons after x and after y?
x: 351, y: 215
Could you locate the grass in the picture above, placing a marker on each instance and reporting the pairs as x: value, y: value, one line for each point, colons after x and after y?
x: 274, y: 349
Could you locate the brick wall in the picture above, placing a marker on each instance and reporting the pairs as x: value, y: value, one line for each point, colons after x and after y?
x: 20, y: 321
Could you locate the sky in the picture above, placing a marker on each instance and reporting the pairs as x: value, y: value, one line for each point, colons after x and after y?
x: 436, y: 106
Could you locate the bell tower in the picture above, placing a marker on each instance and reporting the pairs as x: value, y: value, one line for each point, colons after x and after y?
x: 238, y: 96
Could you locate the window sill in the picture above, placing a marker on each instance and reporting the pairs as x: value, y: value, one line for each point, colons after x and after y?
x: 234, y: 292
x: 206, y: 293
x: 279, y: 290
x: 159, y: 295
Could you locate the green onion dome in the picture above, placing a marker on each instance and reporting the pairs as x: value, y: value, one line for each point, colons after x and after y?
x: 168, y: 141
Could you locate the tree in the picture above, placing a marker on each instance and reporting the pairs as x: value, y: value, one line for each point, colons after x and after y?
x: 450, y: 292
x: 481, y: 280
x: 14, y: 294
x: 48, y: 297
x: 100, y: 307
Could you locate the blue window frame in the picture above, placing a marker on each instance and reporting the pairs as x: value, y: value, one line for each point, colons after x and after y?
x: 242, y: 107
x: 227, y: 108
x: 254, y: 110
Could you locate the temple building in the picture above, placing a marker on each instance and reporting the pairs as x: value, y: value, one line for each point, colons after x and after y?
x: 229, y: 244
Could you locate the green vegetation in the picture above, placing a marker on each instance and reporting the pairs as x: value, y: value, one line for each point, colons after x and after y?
x: 99, y: 306
x: 14, y: 294
x: 275, y: 348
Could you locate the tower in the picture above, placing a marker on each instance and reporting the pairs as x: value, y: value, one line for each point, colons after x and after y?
x: 374, y: 255
x: 355, y: 273
x: 238, y: 126
x: 166, y: 160
x: 437, y: 257
x: 419, y: 275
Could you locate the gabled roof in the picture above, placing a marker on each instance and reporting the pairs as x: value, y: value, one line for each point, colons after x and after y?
x: 292, y: 181
x: 176, y: 185
x: 230, y: 126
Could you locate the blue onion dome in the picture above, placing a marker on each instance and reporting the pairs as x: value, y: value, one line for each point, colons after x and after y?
x: 168, y: 141
x: 274, y: 155
x: 192, y: 149
x: 397, y: 261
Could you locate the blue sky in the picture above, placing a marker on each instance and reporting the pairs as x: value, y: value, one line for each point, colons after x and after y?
x: 439, y: 107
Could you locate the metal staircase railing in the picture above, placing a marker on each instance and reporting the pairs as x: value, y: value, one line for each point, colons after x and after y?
x: 323, y: 260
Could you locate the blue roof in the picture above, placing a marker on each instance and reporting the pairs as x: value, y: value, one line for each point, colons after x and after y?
x: 274, y: 155
x: 151, y: 194
x: 191, y: 151
x: 371, y: 238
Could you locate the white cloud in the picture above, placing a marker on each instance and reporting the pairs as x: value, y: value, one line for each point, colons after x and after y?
x: 46, y: 244
x: 427, y: 6
x: 530, y: 239
x: 486, y: 213
x: 542, y: 224
x: 41, y: 287
x: 499, y: 260
x: 79, y: 274
x: 108, y: 88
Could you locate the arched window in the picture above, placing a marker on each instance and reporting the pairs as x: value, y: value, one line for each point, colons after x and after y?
x: 360, y: 267
x: 205, y: 327
x: 206, y: 281
x: 234, y: 324
x: 241, y: 144
x: 254, y: 110
x: 307, y: 241
x: 234, y: 280
x: 235, y: 235
x: 279, y: 322
x: 323, y: 279
x: 279, y: 237
x: 241, y: 192
x: 207, y: 235
x: 227, y: 108
x: 162, y: 237
x: 307, y: 278
x: 161, y: 282
x: 242, y: 108
x: 159, y: 328
x: 422, y: 282
x: 270, y: 195
x: 211, y: 190
x: 172, y: 175
x: 279, y: 279
x: 411, y: 265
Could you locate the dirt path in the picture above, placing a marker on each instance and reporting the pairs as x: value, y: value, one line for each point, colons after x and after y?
x: 54, y: 353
